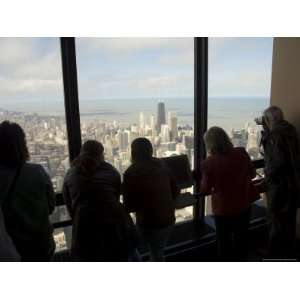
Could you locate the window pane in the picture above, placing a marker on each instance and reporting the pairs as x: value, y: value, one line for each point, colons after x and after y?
x: 31, y: 94
x: 239, y: 89
x: 263, y: 198
x: 63, y: 238
x: 132, y: 87
x: 184, y: 214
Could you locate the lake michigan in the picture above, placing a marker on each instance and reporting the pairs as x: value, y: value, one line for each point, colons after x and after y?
x: 228, y: 112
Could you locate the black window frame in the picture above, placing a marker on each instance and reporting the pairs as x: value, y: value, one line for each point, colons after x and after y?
x: 70, y: 83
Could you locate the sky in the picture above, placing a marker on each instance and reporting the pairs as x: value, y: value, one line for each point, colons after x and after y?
x: 30, y: 68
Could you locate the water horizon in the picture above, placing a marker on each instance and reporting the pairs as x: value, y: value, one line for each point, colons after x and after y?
x: 228, y: 112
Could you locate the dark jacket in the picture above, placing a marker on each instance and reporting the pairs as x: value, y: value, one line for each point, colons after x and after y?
x: 150, y: 191
x: 27, y: 211
x: 8, y: 251
x: 102, y: 229
x: 105, y: 182
x: 281, y: 152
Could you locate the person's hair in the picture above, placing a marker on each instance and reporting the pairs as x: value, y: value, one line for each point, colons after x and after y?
x: 13, y: 148
x: 91, y: 155
x: 141, y: 150
x: 92, y: 148
x: 217, y: 141
x: 272, y: 115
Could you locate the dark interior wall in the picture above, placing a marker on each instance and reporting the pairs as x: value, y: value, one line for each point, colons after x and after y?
x: 285, y: 86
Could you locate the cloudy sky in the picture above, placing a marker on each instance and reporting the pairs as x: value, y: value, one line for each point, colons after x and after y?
x: 30, y: 68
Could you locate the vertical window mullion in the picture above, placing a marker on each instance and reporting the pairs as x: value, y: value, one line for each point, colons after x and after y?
x: 68, y: 56
x: 200, y: 112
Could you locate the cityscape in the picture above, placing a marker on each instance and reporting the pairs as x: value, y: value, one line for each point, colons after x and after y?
x: 48, y: 145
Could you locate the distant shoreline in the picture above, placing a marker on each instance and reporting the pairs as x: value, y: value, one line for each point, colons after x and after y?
x: 228, y: 112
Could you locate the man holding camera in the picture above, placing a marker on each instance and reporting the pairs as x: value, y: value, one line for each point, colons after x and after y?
x: 282, y: 181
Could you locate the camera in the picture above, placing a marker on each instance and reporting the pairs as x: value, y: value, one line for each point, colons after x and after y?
x: 260, y: 120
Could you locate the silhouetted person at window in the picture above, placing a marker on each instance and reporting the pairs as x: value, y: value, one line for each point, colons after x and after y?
x: 102, y: 229
x: 150, y: 192
x: 27, y: 197
x: 282, y: 181
x: 227, y: 174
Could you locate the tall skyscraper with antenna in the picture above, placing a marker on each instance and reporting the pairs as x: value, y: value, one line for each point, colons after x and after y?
x: 161, y: 116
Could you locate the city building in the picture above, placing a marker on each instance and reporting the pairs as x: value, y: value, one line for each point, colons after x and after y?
x: 161, y: 116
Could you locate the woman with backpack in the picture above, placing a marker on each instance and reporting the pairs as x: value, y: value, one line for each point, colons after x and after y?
x: 26, y: 197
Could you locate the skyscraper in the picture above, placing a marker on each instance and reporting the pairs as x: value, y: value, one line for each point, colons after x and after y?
x: 161, y: 116
x: 123, y: 140
x: 253, y: 142
x: 238, y: 137
x: 142, y: 121
x: 165, y: 133
x: 172, y: 122
x: 152, y: 125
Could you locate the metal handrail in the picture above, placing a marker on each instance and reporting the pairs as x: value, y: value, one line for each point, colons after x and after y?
x: 258, y: 164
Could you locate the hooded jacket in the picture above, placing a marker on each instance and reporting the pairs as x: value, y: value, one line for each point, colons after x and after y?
x: 103, y: 184
x: 281, y: 152
x: 102, y: 229
x: 150, y: 190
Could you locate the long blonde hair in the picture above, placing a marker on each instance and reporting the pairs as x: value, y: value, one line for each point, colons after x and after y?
x: 217, y: 141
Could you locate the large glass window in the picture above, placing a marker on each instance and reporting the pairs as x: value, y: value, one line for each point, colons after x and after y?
x: 239, y: 89
x: 133, y: 87
x: 31, y: 94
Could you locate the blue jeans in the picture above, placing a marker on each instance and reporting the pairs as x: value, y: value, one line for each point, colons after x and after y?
x: 156, y: 240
